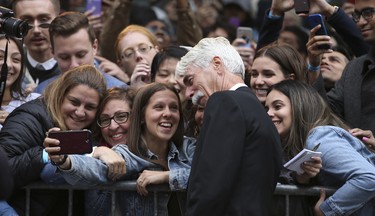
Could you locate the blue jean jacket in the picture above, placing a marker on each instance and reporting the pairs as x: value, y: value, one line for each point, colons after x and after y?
x: 90, y: 171
x: 347, y: 165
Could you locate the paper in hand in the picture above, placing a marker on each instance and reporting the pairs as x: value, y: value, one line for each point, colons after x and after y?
x: 295, y: 163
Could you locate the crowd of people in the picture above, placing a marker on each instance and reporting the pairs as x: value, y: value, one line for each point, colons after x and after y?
x: 172, y: 96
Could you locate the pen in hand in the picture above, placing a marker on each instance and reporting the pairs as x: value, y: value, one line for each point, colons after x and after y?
x: 316, y: 147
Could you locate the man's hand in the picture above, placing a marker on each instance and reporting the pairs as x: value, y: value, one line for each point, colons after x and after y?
x: 95, y: 21
x: 279, y: 7
x: 321, y: 7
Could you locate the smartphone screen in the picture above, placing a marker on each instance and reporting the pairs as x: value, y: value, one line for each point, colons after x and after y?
x: 302, y: 6
x: 96, y: 4
x: 73, y: 141
x: 314, y: 20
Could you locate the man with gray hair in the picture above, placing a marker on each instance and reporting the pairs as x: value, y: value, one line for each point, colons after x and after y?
x: 238, y: 156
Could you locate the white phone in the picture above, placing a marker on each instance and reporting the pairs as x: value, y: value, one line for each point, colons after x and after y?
x: 245, y: 33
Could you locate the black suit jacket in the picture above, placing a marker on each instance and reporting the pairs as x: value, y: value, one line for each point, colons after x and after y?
x: 237, y: 160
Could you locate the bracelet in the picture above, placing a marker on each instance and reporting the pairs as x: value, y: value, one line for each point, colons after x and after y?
x: 312, y: 68
x: 61, y: 162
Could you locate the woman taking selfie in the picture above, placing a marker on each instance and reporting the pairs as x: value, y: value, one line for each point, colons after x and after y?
x: 69, y: 103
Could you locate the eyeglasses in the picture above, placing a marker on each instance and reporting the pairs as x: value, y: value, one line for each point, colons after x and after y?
x: 41, y: 25
x: 142, y: 48
x: 118, y: 117
x: 366, y: 13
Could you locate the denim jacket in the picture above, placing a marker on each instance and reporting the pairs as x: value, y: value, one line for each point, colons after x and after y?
x: 90, y: 171
x: 347, y: 165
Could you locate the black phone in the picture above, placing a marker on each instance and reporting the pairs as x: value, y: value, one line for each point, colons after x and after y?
x: 314, y: 20
x: 302, y: 6
x: 73, y: 141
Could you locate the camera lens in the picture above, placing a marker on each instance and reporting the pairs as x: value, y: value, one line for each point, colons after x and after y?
x: 15, y: 27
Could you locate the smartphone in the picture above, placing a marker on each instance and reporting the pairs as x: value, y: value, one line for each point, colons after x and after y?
x: 302, y: 6
x: 314, y: 20
x: 73, y: 141
x: 97, y: 4
x: 245, y: 33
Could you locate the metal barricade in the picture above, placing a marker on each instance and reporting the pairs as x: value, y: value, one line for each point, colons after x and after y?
x: 281, y: 189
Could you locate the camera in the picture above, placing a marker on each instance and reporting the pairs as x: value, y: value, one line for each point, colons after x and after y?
x: 12, y: 26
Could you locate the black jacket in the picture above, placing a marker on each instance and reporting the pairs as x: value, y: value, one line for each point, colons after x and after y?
x: 6, y: 180
x: 22, y: 139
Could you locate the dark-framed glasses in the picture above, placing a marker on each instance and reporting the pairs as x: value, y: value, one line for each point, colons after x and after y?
x: 142, y: 48
x: 366, y: 13
x: 119, y: 118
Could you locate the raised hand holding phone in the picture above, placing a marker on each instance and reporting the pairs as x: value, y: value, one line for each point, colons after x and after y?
x: 313, y: 21
x: 95, y: 5
x: 245, y: 33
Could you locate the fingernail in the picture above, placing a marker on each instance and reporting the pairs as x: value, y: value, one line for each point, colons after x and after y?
x: 364, y: 139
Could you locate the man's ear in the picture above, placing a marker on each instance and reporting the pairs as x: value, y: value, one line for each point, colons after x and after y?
x: 218, y: 65
x: 95, y: 46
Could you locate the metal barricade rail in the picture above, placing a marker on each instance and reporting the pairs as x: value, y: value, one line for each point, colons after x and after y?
x: 281, y: 189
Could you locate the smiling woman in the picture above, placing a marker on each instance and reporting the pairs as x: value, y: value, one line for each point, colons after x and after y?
x: 273, y: 64
x: 113, y: 117
x: 70, y: 102
x: 303, y: 119
x: 13, y: 94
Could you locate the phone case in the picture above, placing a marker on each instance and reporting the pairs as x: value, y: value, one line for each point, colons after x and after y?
x: 314, y: 20
x: 245, y: 33
x: 94, y: 3
x: 302, y: 6
x: 73, y: 141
